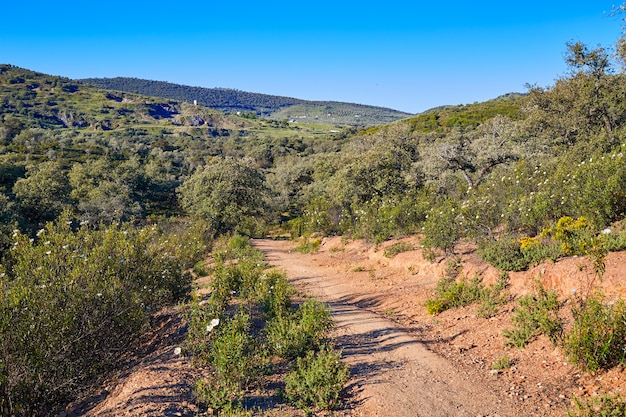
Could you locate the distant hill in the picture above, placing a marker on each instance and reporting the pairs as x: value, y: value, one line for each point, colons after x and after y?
x: 263, y: 105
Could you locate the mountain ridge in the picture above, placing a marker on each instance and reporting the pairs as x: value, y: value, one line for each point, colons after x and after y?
x: 259, y: 104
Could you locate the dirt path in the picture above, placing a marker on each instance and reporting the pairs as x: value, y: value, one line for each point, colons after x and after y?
x: 403, y: 361
x: 394, y: 373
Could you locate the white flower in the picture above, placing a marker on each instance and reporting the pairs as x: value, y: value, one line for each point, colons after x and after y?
x: 177, y: 351
x: 607, y: 231
x: 212, y: 325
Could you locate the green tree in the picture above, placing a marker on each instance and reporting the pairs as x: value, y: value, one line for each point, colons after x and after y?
x: 108, y: 193
x: 226, y: 193
x: 475, y: 153
x: 43, y: 193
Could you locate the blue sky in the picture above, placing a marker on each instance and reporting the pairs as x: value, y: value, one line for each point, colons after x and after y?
x: 409, y: 56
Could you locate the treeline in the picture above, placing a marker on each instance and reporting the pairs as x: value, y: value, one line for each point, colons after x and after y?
x: 225, y: 99
x: 231, y: 101
x: 491, y: 172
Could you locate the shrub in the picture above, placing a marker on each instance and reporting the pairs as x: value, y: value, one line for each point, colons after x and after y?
x: 596, y: 340
x: 201, y: 269
x: 574, y: 235
x: 201, y: 317
x: 509, y: 254
x: 544, y: 249
x: 317, y: 380
x: 291, y: 335
x: 442, y: 227
x: 492, y: 297
x: 218, y: 394
x: 504, y: 254
x: 275, y: 293
x: 383, y: 217
x: 451, y: 293
x: 535, y: 314
x: 71, y: 300
x: 233, y: 351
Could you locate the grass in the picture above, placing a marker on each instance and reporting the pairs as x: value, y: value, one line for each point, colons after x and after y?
x: 607, y: 405
x: 308, y: 246
x: 397, y: 248
x: 504, y: 362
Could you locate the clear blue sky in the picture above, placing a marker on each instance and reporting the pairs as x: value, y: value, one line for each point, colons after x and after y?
x: 406, y: 55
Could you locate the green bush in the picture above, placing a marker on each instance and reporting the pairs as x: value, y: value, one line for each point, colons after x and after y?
x: 291, y: 335
x: 535, y: 314
x: 218, y: 394
x: 233, y: 350
x: 442, y: 228
x: 71, y: 300
x: 596, y: 340
x: 201, y: 269
x: 491, y: 298
x: 235, y: 247
x: 275, y: 293
x: 451, y: 293
x: 504, y: 254
x: 504, y: 362
x: 383, y: 217
x: 545, y: 249
x: 317, y: 380
x: 202, y: 316
x: 509, y: 254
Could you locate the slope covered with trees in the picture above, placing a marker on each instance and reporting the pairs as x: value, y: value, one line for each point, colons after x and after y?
x: 265, y: 105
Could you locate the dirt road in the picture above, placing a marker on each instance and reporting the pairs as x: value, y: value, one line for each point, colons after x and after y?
x: 404, y: 362
x: 394, y: 374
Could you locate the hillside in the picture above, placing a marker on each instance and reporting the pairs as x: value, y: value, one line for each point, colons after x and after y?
x: 108, y: 199
x: 264, y: 105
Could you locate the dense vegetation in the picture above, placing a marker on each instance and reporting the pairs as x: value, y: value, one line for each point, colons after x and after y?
x: 96, y: 185
x: 255, y: 104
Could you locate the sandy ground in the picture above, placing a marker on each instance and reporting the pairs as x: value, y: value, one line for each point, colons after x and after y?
x: 403, y: 361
